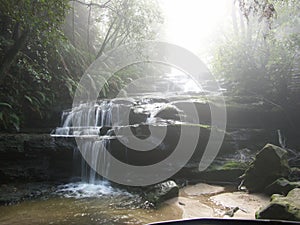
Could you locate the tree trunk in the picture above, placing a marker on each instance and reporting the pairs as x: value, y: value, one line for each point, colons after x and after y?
x: 242, y: 25
x: 11, y: 54
x: 106, y: 38
x: 234, y: 20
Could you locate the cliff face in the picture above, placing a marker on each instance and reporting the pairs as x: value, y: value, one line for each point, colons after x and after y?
x: 35, y: 157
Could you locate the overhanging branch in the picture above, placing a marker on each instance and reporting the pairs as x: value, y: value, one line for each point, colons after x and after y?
x: 93, y: 4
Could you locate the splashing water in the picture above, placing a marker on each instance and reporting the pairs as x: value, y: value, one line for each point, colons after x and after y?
x: 87, y: 190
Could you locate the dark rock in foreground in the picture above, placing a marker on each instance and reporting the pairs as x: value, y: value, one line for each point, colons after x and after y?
x: 281, y: 186
x: 269, y: 165
x: 283, y: 208
x: 161, y: 192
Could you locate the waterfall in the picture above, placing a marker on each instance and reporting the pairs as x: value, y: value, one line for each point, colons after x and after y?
x: 88, y: 115
x: 85, y: 121
x: 94, y: 125
x: 94, y: 151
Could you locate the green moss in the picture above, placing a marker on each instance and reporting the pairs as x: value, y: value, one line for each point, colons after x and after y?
x: 231, y: 165
x: 235, y: 165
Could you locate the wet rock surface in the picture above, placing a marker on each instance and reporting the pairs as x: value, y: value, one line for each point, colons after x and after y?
x: 202, y: 189
x: 38, y: 157
x: 281, y: 186
x: 282, y: 208
x: 35, y: 157
x: 161, y: 192
x: 245, y: 204
x: 204, y: 200
x: 16, y: 193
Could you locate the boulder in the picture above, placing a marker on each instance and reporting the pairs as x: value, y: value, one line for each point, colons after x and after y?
x: 161, y: 192
x: 228, y: 172
x: 282, y: 208
x: 136, y: 117
x: 269, y: 165
x: 203, y: 111
x: 224, y: 168
x: 281, y: 186
x: 168, y: 113
x: 214, y: 174
x: 295, y: 174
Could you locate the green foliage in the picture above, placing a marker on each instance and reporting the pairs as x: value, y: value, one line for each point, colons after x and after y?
x: 8, y: 117
x: 40, y: 17
x: 45, y: 47
x: 262, y: 62
x: 96, y: 28
x: 29, y: 83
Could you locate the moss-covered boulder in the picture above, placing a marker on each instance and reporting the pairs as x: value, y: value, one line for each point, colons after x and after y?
x: 161, y: 192
x: 282, y: 208
x: 281, y: 186
x: 228, y: 172
x: 218, y: 172
x: 269, y: 165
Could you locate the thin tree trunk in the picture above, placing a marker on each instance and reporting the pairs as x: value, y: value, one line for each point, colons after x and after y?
x: 88, y: 32
x: 234, y: 19
x: 242, y: 25
x: 73, y: 24
x: 106, y: 38
x: 249, y: 31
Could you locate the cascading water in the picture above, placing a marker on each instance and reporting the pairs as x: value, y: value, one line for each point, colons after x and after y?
x: 86, y: 121
x: 96, y: 152
x: 93, y: 125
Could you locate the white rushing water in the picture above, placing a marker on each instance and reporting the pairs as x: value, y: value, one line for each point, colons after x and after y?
x: 95, y: 124
x: 89, y: 190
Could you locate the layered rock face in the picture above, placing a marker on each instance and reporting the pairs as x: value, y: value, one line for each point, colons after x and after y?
x: 39, y: 157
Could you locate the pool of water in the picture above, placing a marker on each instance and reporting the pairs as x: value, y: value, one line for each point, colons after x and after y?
x: 80, y: 203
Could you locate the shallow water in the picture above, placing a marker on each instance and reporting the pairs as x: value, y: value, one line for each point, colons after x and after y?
x: 85, y: 204
x: 82, y: 203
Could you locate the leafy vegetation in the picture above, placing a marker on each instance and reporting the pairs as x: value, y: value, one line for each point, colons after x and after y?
x: 261, y: 54
x: 45, y: 47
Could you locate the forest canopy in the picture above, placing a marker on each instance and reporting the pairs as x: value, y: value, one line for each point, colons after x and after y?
x: 260, y: 54
x: 46, y: 45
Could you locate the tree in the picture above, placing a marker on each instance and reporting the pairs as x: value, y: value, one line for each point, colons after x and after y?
x: 97, y: 28
x: 26, y: 20
x: 263, y: 61
x: 44, y: 52
x: 113, y: 23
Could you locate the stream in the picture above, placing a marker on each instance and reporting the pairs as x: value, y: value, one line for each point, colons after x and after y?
x: 82, y: 203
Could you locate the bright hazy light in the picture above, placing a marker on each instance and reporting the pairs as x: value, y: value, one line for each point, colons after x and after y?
x: 193, y: 24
